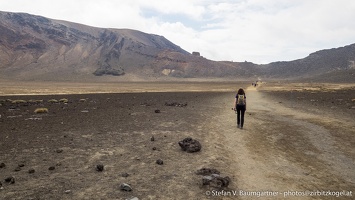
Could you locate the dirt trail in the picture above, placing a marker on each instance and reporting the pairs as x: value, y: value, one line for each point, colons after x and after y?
x: 283, y: 150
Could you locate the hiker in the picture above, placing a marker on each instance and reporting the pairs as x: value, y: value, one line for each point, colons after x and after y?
x: 240, y: 106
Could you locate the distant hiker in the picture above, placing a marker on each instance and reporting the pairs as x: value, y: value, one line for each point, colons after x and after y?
x: 240, y: 106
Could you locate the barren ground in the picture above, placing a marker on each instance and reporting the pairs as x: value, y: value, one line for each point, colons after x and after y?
x: 297, y: 138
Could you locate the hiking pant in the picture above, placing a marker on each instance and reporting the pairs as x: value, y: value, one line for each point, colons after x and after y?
x: 240, y: 115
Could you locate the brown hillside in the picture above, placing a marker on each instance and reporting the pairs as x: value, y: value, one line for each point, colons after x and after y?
x: 38, y: 48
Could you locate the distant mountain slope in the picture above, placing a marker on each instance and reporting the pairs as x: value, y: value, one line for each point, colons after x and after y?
x: 32, y: 46
x: 37, y: 48
x: 325, y: 62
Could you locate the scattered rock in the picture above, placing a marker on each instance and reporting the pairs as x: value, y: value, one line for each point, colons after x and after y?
x: 21, y: 165
x: 99, y: 167
x: 160, y: 162
x: 152, y: 138
x: 59, y: 150
x: 207, y: 171
x: 51, y: 168
x: 145, y: 104
x: 190, y: 145
x: 17, y: 169
x: 67, y: 191
x: 31, y: 171
x: 157, y: 111
x: 10, y: 180
x: 154, y: 148
x: 2, y: 165
x: 125, y: 187
x: 176, y: 104
x: 216, y: 181
x: 125, y: 174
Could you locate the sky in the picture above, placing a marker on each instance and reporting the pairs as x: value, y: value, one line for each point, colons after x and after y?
x: 258, y: 31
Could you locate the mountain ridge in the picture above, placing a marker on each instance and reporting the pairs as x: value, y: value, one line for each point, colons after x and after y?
x: 37, y: 48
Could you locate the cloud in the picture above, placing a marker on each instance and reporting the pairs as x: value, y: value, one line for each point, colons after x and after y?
x: 260, y: 31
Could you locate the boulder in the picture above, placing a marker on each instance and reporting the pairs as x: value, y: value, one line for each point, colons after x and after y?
x: 125, y: 187
x: 2, y: 165
x: 190, y: 145
x: 99, y: 167
x: 216, y: 181
x: 160, y: 162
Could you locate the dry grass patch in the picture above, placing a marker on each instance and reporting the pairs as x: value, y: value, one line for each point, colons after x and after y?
x: 53, y: 101
x: 18, y: 101
x: 41, y: 110
x: 64, y: 100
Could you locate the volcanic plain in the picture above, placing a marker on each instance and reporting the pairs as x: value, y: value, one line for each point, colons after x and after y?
x: 297, y: 137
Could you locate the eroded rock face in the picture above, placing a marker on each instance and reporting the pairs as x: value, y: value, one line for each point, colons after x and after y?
x: 190, y: 145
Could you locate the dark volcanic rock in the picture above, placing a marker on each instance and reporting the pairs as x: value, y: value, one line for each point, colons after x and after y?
x: 190, y: 145
x: 157, y: 111
x: 99, y: 167
x: 216, y: 181
x: 17, y: 169
x: 125, y: 187
x: 176, y: 104
x: 51, y: 168
x: 59, y: 150
x: 2, y: 165
x: 31, y: 171
x: 10, y: 179
x: 160, y: 162
x: 207, y: 171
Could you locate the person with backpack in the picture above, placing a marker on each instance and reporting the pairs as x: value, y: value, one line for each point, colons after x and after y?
x: 240, y: 106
